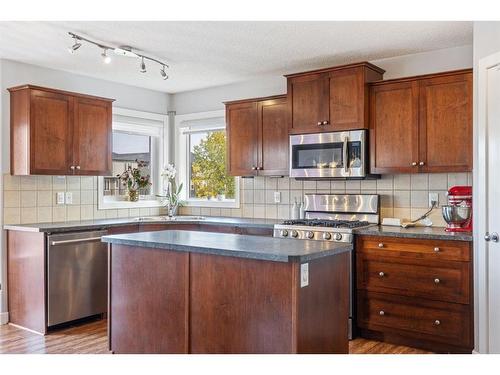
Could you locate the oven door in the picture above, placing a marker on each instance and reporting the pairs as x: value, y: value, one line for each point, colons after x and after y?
x: 329, y: 155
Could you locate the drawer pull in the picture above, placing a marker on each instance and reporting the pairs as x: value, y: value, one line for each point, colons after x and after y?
x: 381, y: 274
x: 437, y: 281
x: 437, y: 249
x: 437, y: 322
x: 381, y: 313
x: 381, y: 245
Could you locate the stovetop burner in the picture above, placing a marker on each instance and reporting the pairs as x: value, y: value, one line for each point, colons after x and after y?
x: 328, y: 223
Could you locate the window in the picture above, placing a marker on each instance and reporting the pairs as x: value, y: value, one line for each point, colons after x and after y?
x: 137, y: 138
x: 201, y: 160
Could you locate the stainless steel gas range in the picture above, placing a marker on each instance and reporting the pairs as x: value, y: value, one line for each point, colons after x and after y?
x: 333, y: 217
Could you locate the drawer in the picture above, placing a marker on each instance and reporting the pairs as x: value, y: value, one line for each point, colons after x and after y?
x: 437, y: 280
x: 415, y: 248
x: 420, y: 319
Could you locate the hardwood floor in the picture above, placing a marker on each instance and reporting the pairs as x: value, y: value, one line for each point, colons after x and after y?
x: 91, y: 338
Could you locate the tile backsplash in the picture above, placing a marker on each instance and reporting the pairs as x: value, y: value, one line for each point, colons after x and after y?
x: 32, y: 199
x: 402, y: 196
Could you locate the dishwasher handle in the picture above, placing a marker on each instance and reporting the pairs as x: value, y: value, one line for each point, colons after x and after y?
x: 76, y: 240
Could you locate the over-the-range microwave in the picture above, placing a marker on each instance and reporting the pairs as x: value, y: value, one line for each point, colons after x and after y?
x: 340, y: 155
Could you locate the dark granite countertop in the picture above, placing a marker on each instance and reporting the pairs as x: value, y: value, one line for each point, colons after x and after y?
x: 430, y: 233
x: 235, y: 245
x: 106, y: 223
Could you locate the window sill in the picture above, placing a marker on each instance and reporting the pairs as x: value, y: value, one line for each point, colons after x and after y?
x: 126, y: 204
x: 212, y: 203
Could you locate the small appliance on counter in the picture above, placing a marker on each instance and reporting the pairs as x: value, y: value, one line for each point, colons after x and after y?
x: 458, y: 212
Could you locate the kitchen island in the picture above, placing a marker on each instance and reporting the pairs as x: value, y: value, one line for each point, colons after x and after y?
x: 195, y: 292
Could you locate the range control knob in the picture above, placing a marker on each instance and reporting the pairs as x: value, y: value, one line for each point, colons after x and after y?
x: 327, y: 236
x: 337, y: 236
x: 295, y: 233
x: 284, y: 233
x: 310, y: 235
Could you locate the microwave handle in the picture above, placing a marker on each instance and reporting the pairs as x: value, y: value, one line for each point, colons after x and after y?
x: 346, y: 167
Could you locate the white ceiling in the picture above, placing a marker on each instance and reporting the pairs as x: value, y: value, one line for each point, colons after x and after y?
x: 205, y: 54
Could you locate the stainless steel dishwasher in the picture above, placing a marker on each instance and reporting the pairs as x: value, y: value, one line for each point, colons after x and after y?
x: 77, y: 268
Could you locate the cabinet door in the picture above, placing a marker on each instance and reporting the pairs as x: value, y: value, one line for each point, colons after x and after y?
x: 394, y: 128
x: 242, y: 138
x: 347, y: 99
x: 446, y: 123
x: 51, y: 118
x: 92, y: 137
x: 308, y: 97
x: 273, y: 148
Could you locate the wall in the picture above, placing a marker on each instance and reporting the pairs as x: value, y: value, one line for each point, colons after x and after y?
x: 402, y: 196
x: 31, y: 199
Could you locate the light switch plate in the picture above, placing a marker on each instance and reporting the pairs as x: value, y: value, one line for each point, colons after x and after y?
x: 60, y: 197
x: 69, y: 197
x: 304, y: 275
x: 277, y: 197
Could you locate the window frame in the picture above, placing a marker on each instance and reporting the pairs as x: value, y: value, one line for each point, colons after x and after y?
x: 146, y: 123
x: 212, y: 120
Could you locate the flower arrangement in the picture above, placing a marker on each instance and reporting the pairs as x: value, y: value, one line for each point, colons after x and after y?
x: 171, y: 197
x: 134, y: 179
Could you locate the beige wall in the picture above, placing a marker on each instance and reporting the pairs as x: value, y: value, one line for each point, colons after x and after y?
x: 403, y: 196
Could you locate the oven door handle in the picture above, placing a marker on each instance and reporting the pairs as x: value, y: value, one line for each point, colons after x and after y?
x: 346, y: 167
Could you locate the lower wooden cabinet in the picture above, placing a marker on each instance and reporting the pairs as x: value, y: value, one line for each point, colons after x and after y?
x: 415, y: 292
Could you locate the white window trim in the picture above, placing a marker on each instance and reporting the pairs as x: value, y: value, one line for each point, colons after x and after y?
x: 181, y: 158
x: 144, y: 122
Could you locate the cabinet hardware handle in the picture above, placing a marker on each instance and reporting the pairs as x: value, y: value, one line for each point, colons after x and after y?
x: 381, y: 274
x: 414, y: 163
x: 72, y: 167
x: 324, y: 123
x: 320, y: 123
x: 260, y: 168
x: 381, y: 312
x: 78, y: 167
x: 437, y: 249
x: 254, y: 168
x: 437, y: 281
x: 437, y: 322
x: 421, y: 163
x: 491, y: 237
x: 381, y: 245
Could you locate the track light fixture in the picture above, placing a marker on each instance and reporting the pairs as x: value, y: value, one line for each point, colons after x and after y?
x: 124, y: 51
x: 75, y: 45
x: 163, y: 73
x: 105, y: 58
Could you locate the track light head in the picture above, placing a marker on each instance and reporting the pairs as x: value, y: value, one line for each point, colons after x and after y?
x: 75, y: 46
x: 105, y: 58
x: 163, y: 73
x: 143, y: 65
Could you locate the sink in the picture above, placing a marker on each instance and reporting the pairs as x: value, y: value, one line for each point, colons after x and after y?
x: 166, y: 218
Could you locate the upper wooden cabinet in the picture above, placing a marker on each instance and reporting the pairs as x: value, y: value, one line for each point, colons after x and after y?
x: 56, y: 132
x: 332, y: 99
x: 422, y: 124
x: 257, y: 137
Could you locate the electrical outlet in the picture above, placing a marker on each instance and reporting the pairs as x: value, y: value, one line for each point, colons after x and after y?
x: 69, y: 197
x: 60, y: 197
x: 277, y: 197
x: 433, y: 197
x: 304, y: 275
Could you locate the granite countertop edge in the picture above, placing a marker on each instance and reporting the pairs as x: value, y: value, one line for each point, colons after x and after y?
x: 262, y: 254
x: 107, y: 223
x: 430, y: 233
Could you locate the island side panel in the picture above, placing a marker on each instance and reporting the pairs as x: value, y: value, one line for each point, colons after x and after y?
x: 148, y: 300
x: 323, y: 306
x: 240, y: 305
x: 26, y: 280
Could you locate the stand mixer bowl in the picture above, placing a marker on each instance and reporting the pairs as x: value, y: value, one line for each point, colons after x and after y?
x: 456, y: 216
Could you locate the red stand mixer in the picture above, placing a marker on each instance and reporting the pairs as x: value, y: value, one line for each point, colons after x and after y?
x: 458, y: 212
